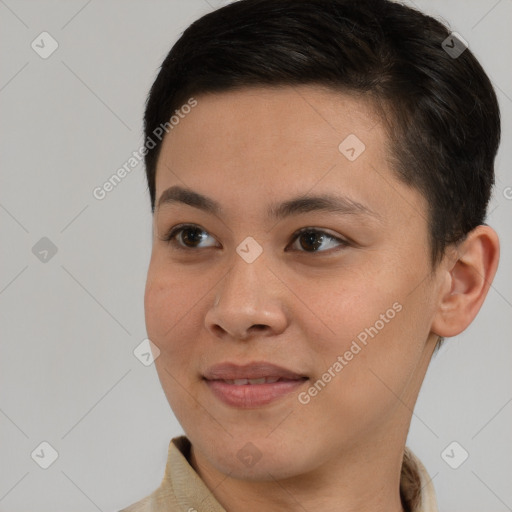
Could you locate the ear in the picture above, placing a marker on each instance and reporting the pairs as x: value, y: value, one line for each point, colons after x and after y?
x: 466, y: 280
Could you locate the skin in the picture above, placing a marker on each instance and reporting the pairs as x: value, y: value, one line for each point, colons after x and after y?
x: 298, y: 308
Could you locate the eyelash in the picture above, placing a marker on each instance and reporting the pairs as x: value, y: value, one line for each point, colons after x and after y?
x: 170, y: 238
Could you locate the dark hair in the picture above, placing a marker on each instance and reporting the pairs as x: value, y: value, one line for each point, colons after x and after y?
x: 440, y: 109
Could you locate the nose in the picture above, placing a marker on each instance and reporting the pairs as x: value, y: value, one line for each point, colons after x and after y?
x: 249, y: 302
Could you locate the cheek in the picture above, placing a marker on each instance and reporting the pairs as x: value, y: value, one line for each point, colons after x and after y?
x: 377, y: 327
x: 364, y: 390
x: 166, y: 308
x: 168, y: 300
x: 174, y: 312
x: 157, y: 309
x: 342, y: 306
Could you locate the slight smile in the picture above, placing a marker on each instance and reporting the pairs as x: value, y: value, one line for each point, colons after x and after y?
x: 251, y: 385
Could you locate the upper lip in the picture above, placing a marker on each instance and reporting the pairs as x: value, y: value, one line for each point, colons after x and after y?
x: 256, y: 370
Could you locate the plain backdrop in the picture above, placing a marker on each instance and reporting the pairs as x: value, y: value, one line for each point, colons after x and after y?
x: 71, y: 319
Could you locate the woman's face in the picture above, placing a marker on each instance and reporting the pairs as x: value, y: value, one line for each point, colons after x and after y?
x: 343, y: 310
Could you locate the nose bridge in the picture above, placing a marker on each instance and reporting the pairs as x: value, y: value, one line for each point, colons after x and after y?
x: 248, y: 295
x: 245, y: 281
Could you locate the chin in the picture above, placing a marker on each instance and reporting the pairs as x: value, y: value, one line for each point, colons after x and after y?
x: 255, y: 458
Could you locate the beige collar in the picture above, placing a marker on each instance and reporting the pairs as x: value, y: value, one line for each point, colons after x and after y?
x: 183, y: 490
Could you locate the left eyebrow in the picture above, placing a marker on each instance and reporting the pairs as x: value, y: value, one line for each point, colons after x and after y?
x: 294, y: 206
x: 323, y: 202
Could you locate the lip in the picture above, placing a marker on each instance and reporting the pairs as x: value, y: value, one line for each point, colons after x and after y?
x: 249, y: 395
x: 255, y: 370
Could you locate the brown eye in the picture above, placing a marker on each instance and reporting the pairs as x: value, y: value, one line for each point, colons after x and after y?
x: 191, y: 236
x: 187, y: 237
x: 310, y: 240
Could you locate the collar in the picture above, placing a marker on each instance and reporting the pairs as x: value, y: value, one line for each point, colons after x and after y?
x: 191, y: 492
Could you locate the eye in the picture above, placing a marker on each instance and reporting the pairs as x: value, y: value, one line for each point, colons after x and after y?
x: 186, y: 236
x: 190, y: 236
x: 312, y: 239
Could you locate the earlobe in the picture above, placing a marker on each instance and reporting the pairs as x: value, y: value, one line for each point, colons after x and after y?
x: 466, y: 281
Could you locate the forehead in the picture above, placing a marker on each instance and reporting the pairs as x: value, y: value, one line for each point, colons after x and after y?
x: 250, y: 128
x: 270, y: 143
x: 282, y: 114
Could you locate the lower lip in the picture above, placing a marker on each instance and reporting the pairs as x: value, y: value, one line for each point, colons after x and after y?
x: 249, y: 396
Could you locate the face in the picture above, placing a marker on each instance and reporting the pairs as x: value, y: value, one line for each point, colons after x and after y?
x: 306, y: 261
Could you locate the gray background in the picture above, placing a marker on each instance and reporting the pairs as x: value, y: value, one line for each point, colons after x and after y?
x: 69, y: 325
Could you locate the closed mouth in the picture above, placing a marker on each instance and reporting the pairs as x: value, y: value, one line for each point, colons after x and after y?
x: 261, y: 380
x: 260, y: 372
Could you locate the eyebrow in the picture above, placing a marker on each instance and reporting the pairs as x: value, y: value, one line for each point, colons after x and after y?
x: 294, y: 206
